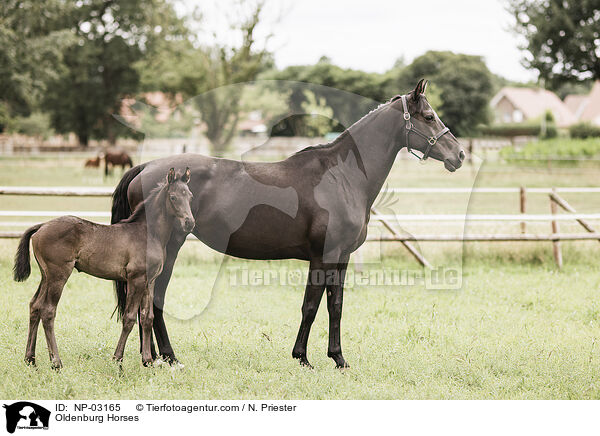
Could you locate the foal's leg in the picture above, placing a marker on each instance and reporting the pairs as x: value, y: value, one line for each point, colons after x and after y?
x: 146, y: 318
x: 56, y: 278
x: 335, y: 296
x: 160, y: 288
x: 135, y: 291
x: 312, y: 298
x: 34, y: 322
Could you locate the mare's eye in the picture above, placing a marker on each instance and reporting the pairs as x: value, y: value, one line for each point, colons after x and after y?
x: 429, y: 117
x: 173, y: 198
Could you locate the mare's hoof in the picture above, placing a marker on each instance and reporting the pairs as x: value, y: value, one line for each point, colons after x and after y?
x: 177, y: 366
x: 57, y: 365
x: 158, y: 362
x: 172, y: 361
x: 304, y: 362
x: 30, y: 361
x: 339, y: 360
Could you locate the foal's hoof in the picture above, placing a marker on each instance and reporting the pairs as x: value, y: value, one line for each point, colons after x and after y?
x: 342, y: 365
x: 30, y: 361
x: 56, y: 365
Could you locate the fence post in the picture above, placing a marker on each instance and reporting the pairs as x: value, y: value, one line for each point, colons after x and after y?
x: 555, y: 243
x: 523, y: 208
x: 566, y: 206
x: 418, y: 256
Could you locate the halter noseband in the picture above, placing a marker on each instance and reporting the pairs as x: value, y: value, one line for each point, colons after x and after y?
x: 431, y: 140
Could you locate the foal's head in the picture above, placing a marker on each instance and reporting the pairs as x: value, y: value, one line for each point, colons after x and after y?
x: 178, y: 198
x: 426, y: 126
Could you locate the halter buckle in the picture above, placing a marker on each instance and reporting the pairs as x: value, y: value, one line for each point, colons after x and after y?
x: 406, y: 116
x: 432, y: 140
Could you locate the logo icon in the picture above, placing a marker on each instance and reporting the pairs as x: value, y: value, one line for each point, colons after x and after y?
x: 26, y: 415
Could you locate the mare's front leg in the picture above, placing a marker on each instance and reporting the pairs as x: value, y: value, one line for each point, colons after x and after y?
x: 135, y: 290
x: 312, y: 298
x: 335, y: 297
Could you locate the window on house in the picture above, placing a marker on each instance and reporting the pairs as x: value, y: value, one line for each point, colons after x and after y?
x: 517, y: 116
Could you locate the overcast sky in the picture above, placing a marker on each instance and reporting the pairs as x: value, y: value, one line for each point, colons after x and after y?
x: 371, y: 34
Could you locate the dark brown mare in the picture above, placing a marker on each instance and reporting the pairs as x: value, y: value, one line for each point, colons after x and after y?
x: 116, y: 158
x: 133, y: 250
x: 312, y: 206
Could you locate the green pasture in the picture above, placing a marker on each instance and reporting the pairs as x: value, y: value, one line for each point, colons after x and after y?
x: 518, y: 327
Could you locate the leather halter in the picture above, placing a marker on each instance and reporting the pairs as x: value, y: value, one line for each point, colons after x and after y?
x: 410, y: 127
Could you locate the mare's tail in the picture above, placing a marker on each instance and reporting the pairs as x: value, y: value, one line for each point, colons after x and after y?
x: 120, y: 211
x: 22, y: 267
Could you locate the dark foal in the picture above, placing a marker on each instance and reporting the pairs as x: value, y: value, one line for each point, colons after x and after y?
x: 314, y: 205
x: 133, y: 250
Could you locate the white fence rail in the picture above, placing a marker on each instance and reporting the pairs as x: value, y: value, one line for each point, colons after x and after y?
x: 387, y: 221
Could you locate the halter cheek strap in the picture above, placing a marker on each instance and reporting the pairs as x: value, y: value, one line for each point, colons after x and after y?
x: 431, y: 140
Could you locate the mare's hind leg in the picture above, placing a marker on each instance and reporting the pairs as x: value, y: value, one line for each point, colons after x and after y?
x: 135, y: 291
x: 55, y: 278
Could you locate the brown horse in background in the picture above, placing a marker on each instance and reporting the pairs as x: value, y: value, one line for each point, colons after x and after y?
x: 93, y: 162
x: 133, y: 250
x: 116, y: 158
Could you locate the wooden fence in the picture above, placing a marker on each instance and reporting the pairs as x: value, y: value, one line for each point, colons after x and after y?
x: 387, y: 221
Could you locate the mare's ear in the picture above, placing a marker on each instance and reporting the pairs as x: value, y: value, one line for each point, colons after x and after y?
x: 171, y: 176
x: 186, y: 176
x: 419, y: 89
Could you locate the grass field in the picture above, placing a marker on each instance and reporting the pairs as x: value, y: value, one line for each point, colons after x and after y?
x: 518, y: 328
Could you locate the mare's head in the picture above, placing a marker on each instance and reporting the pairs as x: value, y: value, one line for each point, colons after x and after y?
x: 423, y: 131
x: 178, y: 198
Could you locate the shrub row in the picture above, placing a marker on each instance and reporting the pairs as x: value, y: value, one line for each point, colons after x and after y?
x: 551, y: 148
x: 584, y: 130
x: 512, y: 130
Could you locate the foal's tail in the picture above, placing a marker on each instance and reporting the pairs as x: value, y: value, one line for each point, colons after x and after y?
x: 22, y: 267
x: 120, y: 211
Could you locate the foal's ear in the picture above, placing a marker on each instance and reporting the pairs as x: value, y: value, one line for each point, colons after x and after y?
x: 419, y: 89
x: 171, y: 176
x: 186, y: 176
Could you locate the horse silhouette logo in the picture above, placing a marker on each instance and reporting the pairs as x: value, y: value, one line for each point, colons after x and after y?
x: 26, y: 415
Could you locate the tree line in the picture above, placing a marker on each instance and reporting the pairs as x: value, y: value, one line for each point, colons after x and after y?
x: 76, y: 61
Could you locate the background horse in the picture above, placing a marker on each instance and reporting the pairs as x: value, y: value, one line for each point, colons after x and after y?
x: 116, y: 158
x: 133, y: 250
x: 93, y: 162
x: 313, y: 206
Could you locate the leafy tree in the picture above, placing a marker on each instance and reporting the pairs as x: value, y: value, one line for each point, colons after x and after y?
x: 464, y: 84
x: 563, y: 38
x: 345, y: 111
x: 32, y: 37
x: 100, y: 67
x: 203, y: 73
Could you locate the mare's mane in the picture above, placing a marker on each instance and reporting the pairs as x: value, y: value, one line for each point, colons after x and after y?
x: 345, y: 133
